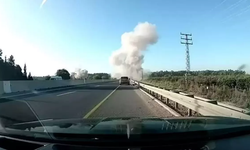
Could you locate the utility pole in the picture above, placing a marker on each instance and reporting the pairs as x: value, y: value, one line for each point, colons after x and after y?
x: 142, y: 74
x: 187, y: 40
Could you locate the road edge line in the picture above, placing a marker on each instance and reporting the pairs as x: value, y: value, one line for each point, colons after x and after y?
x: 66, y: 93
x: 99, y: 104
x: 173, y: 112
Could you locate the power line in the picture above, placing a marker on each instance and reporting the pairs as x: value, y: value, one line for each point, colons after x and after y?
x: 187, y: 40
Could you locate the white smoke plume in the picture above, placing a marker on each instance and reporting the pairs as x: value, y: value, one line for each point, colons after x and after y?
x: 43, y: 2
x: 79, y: 74
x: 146, y: 73
x: 242, y: 67
x: 128, y: 60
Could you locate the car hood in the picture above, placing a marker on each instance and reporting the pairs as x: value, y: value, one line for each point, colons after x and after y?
x: 131, y: 125
x: 123, y: 129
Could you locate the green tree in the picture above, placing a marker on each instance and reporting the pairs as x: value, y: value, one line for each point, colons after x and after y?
x: 96, y: 77
x: 30, y: 77
x: 63, y: 73
x: 25, y: 71
x: 47, y: 77
x: 105, y: 76
x: 18, y: 75
x: 11, y: 60
x: 9, y: 70
x: 99, y: 76
x: 1, y: 53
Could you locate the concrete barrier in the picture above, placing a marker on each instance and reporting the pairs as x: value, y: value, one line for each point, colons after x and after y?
x: 1, y: 87
x: 20, y: 86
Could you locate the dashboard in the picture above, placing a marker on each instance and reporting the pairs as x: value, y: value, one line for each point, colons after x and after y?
x: 234, y: 143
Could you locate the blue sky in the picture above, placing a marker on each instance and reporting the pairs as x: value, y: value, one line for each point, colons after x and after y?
x: 83, y: 33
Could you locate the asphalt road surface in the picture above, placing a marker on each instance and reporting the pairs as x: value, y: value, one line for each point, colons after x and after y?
x: 86, y: 101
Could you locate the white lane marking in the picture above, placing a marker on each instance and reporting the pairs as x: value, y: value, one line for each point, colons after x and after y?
x: 66, y: 93
x: 37, y: 92
x: 44, y: 91
x: 99, y: 104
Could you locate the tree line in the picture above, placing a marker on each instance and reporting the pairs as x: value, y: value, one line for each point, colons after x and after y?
x: 97, y: 76
x: 9, y: 70
x: 230, y: 78
x: 92, y: 76
x: 196, y: 73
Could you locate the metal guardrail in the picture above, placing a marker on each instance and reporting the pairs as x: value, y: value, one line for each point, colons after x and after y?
x: 193, y: 104
x: 215, y: 102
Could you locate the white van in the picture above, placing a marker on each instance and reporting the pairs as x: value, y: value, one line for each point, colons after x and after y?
x: 55, y: 78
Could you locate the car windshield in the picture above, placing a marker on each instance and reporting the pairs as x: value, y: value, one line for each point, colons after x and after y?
x: 88, y: 67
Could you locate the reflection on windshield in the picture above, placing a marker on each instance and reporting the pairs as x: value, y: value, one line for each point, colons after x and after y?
x: 126, y: 70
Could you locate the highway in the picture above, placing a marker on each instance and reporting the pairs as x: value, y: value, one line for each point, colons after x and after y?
x: 86, y: 101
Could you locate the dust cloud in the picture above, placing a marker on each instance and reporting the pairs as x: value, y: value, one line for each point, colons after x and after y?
x: 242, y: 67
x: 79, y: 74
x: 128, y: 60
